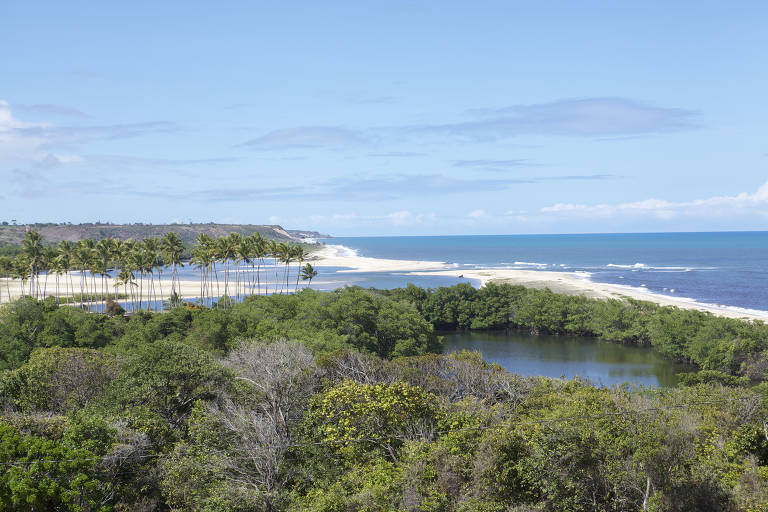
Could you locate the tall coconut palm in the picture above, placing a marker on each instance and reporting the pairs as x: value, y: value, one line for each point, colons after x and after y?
x: 21, y: 269
x: 258, y: 252
x: 173, y: 250
x: 225, y: 251
x: 243, y: 253
x: 128, y: 279
x: 66, y: 254
x: 5, y: 271
x: 86, y: 254
x: 308, y: 272
x: 49, y: 258
x: 134, y: 262
x: 299, y: 255
x: 81, y: 257
x: 208, y: 247
x: 116, y: 250
x: 286, y: 257
x: 60, y: 266
x: 151, y: 261
x: 32, y: 248
x: 202, y: 259
x: 126, y: 260
x: 102, y: 258
x: 273, y: 250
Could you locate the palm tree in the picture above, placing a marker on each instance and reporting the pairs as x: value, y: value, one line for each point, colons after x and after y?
x: 258, y: 252
x: 60, y: 266
x: 173, y: 250
x: 66, y: 254
x: 273, y: 249
x: 207, y: 253
x: 298, y: 254
x: 242, y: 255
x: 151, y: 261
x: 137, y: 264
x: 308, y: 272
x: 5, y: 270
x: 225, y: 249
x: 116, y: 250
x: 20, y: 269
x: 126, y: 260
x: 32, y: 248
x: 85, y: 254
x: 81, y: 258
x: 49, y: 259
x: 127, y: 279
x: 286, y: 256
x: 103, y: 255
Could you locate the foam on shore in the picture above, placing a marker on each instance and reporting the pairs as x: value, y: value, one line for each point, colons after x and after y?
x: 536, y: 275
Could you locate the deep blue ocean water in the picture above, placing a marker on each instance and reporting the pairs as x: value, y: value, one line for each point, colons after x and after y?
x: 723, y: 268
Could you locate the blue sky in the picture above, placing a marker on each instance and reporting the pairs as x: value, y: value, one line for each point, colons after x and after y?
x: 379, y: 118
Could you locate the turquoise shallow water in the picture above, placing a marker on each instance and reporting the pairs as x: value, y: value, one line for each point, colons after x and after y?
x: 724, y: 268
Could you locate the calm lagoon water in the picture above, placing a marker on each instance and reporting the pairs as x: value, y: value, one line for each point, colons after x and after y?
x: 602, y: 362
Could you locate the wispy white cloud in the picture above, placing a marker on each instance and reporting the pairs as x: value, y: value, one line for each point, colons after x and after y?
x: 397, y: 218
x: 47, y: 109
x: 519, y: 162
x: 14, y: 142
x: 745, y: 203
x: 588, y: 117
x: 32, y: 142
x: 477, y: 214
x: 307, y: 137
x: 396, y: 154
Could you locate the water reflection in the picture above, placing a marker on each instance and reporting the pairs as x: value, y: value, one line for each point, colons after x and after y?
x: 604, y: 363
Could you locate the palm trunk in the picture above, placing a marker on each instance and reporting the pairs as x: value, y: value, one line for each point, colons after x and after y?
x: 277, y: 280
x: 258, y: 276
x: 160, y: 281
x: 216, y: 274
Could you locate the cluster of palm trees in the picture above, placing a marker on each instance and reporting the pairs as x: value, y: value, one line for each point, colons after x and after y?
x: 249, y: 255
x: 133, y: 265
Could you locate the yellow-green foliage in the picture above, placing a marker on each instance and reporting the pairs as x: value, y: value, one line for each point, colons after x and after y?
x: 350, y: 415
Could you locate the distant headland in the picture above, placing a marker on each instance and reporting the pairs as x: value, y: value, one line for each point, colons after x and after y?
x: 13, y: 234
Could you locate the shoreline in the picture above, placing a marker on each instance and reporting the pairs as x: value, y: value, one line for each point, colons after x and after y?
x: 341, y: 256
x: 347, y: 261
x: 570, y: 283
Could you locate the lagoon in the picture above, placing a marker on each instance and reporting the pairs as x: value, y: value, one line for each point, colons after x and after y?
x: 602, y: 362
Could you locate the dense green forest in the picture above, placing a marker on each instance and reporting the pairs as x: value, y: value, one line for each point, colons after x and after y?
x: 342, y: 401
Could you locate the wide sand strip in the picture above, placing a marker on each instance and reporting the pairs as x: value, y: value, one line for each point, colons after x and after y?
x: 560, y: 282
x: 339, y: 256
x: 162, y: 288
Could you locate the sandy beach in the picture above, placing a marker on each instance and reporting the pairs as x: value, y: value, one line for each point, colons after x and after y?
x: 340, y: 256
x: 186, y: 289
x: 559, y: 282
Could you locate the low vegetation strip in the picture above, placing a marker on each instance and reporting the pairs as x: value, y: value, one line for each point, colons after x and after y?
x: 320, y: 401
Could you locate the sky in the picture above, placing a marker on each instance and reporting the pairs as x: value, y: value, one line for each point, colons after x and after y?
x: 387, y: 118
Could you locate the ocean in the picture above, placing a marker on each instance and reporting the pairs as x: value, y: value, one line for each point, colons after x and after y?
x: 722, y: 268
